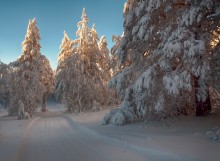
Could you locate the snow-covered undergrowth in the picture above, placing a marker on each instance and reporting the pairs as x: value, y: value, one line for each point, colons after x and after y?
x: 118, y: 116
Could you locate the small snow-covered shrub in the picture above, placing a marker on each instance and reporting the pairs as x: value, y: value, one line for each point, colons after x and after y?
x: 26, y: 115
x: 119, y: 118
x: 108, y: 117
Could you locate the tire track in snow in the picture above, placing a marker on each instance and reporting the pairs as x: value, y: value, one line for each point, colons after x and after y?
x: 59, y: 137
x: 82, y: 142
x: 109, y: 149
x: 149, y: 153
x: 49, y: 138
x: 22, y: 148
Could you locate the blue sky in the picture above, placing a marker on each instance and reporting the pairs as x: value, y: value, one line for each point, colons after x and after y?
x: 53, y: 17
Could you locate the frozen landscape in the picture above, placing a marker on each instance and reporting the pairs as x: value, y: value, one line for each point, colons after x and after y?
x: 57, y: 135
x: 138, y: 81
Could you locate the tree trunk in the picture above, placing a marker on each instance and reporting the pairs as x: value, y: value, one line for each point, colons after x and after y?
x: 202, y: 108
x: 43, y: 109
x: 80, y: 104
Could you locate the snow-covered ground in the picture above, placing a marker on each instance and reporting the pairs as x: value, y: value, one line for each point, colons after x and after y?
x: 3, y: 111
x: 52, y: 106
x: 59, y: 136
x: 186, y: 138
x: 11, y: 133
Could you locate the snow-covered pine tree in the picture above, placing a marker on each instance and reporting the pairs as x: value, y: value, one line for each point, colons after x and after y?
x: 84, y: 85
x: 91, y: 86
x: 31, y: 78
x: 82, y: 35
x: 104, y: 60
x: 165, y: 52
x: 215, y: 70
x: 106, y: 69
x: 46, y: 78
x: 4, y: 71
x: 66, y: 49
x: 114, y: 62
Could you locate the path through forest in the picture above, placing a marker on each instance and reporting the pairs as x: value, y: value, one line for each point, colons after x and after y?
x: 61, y: 136
x: 55, y: 137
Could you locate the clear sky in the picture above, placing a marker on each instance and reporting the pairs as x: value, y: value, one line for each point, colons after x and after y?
x: 53, y: 17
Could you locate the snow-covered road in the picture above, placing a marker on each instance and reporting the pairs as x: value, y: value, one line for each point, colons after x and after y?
x: 60, y: 136
x: 55, y: 137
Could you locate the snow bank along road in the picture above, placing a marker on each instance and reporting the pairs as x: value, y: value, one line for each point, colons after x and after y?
x: 55, y: 136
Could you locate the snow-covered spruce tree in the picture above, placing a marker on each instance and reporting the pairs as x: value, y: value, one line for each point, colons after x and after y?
x: 215, y: 71
x: 114, y: 61
x: 104, y: 60
x: 165, y: 52
x: 81, y: 80
x: 4, y: 71
x: 31, y: 77
x: 66, y: 49
x: 46, y: 78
